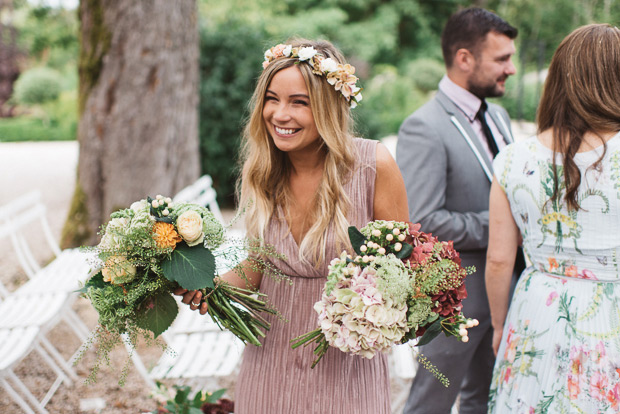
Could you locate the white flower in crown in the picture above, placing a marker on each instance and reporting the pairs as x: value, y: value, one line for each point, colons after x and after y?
x: 306, y: 53
x: 338, y: 75
x: 329, y: 65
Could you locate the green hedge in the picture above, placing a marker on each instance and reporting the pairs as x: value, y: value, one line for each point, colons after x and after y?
x: 33, y: 129
x: 230, y: 62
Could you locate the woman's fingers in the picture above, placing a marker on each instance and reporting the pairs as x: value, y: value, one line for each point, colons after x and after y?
x: 195, y: 299
x: 179, y: 291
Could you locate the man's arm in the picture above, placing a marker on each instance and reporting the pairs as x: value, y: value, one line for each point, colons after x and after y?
x: 422, y: 159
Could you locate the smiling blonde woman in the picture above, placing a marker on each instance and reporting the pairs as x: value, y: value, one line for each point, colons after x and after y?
x: 305, y: 179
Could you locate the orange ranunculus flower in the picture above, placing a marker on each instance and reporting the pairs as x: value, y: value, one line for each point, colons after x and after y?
x: 165, y: 235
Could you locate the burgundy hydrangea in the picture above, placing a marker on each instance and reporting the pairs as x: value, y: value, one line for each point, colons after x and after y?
x: 450, y: 302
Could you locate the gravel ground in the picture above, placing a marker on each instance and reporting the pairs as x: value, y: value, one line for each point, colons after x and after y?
x: 50, y: 167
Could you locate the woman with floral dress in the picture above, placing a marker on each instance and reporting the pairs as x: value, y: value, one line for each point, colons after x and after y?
x: 558, y: 345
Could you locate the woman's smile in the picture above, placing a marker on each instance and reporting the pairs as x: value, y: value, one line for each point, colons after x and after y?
x: 286, y: 132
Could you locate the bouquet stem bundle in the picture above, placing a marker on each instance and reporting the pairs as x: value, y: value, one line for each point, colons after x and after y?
x: 310, y: 337
x: 239, y: 311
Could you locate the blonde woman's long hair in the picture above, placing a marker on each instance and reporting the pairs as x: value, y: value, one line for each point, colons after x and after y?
x: 265, y: 182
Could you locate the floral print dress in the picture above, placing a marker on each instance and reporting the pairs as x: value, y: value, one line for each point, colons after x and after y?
x: 560, y: 350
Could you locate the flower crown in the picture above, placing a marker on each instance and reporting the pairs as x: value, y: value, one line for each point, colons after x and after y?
x: 340, y: 76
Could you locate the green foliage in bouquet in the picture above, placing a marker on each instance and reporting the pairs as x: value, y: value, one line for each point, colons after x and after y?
x: 154, y: 247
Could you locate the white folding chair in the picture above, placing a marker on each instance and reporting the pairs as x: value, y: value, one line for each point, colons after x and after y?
x: 199, y: 352
x: 15, y: 344
x: 69, y: 268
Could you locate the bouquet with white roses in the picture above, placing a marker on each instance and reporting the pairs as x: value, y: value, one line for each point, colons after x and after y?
x: 393, y: 290
x: 153, y: 247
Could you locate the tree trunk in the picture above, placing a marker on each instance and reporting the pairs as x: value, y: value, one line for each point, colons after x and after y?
x: 138, y: 128
x: 9, y: 54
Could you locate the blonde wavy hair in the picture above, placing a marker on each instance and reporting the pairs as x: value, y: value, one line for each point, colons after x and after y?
x: 265, y: 177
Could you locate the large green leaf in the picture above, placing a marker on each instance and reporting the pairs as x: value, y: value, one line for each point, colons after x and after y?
x: 158, y: 313
x: 191, y: 267
x: 405, y: 252
x: 431, y: 332
x: 357, y: 239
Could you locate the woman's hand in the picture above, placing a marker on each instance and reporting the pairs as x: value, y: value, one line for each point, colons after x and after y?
x: 193, y: 298
x: 497, y: 339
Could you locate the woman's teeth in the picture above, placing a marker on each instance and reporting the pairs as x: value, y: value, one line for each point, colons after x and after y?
x: 285, y: 131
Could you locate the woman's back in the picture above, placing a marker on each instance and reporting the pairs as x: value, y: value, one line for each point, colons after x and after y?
x: 560, y: 349
x: 580, y: 243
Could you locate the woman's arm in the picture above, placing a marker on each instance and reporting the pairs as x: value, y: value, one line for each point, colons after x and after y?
x: 245, y: 275
x: 390, y: 202
x: 503, y: 242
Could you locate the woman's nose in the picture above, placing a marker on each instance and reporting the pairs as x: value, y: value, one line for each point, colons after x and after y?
x: 282, y: 113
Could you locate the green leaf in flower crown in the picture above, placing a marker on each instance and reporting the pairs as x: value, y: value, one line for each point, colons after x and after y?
x: 404, y: 252
x: 431, y: 332
x: 158, y: 313
x: 191, y: 267
x: 357, y: 239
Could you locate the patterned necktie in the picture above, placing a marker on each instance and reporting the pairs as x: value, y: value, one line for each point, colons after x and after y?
x: 486, y: 130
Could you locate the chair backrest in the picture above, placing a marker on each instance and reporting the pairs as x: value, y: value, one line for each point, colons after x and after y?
x: 201, y: 192
x: 14, y: 217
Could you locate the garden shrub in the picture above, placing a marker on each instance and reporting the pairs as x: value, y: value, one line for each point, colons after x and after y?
x: 37, y: 86
x: 426, y: 73
x: 389, y: 98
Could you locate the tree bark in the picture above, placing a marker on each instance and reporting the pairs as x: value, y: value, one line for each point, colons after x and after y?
x: 138, y: 128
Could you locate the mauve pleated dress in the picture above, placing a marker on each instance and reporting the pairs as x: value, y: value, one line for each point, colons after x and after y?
x: 275, y: 379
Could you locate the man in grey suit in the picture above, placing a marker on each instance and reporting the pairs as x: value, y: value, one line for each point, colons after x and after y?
x: 445, y: 151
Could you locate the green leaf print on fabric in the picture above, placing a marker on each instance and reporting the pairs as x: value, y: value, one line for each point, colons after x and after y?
x: 556, y: 220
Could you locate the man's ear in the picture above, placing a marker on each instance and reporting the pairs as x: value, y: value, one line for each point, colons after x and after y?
x: 464, y: 60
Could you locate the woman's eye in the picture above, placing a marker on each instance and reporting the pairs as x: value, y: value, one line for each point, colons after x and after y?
x: 270, y: 98
x: 300, y: 102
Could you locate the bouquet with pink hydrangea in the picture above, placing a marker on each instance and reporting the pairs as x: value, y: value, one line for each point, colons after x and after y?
x: 401, y: 284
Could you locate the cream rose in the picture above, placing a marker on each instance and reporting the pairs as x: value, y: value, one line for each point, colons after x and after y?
x: 189, y: 226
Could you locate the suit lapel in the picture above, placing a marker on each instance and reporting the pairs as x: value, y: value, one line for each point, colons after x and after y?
x: 467, y: 133
x: 501, y: 124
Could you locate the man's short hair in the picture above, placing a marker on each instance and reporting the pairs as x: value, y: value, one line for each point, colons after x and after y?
x: 467, y: 29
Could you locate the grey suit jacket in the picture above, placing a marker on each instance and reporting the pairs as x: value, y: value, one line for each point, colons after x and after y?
x: 448, y: 175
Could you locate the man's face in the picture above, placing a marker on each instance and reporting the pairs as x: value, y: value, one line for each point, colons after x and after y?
x: 493, y: 65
